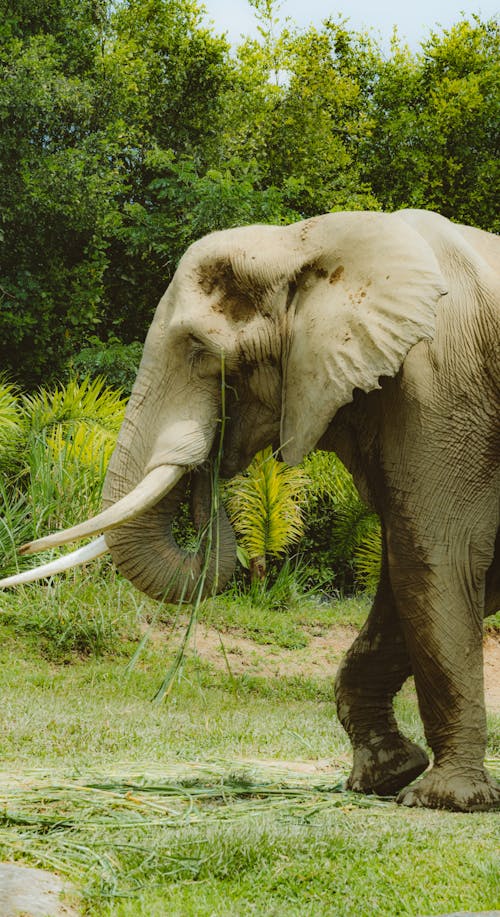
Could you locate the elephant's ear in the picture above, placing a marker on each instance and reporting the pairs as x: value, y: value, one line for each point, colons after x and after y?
x: 367, y: 299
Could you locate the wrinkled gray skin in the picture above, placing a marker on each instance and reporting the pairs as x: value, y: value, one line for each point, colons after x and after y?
x: 377, y: 336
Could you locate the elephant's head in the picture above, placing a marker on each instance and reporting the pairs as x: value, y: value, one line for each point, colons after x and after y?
x: 280, y: 325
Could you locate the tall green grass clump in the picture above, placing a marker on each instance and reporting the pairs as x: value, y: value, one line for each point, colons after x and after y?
x: 54, y: 450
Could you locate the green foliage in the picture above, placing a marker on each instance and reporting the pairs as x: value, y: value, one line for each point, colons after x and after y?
x: 129, y: 129
x: 54, y: 475
x: 264, y: 506
x: 267, y: 610
x: 342, y: 535
x: 114, y: 362
x: 85, y: 92
x: 273, y: 507
x: 86, y: 613
x: 59, y: 180
x: 368, y: 559
x: 10, y: 426
x: 434, y: 125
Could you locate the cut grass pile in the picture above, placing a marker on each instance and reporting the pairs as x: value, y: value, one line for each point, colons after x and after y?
x: 72, y: 826
x: 206, y: 839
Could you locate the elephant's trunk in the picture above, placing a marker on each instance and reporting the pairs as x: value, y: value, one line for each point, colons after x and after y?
x: 146, y: 552
x: 139, y: 536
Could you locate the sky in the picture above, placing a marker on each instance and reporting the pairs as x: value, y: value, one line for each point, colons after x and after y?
x: 414, y: 18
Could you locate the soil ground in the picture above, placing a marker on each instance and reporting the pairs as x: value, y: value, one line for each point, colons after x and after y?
x: 320, y: 658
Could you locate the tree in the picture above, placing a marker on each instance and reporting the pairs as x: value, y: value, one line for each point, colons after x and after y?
x: 435, y: 119
x: 128, y: 130
x: 79, y: 125
x: 58, y: 186
x: 296, y: 106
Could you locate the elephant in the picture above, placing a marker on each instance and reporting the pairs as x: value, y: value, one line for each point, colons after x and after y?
x: 375, y: 335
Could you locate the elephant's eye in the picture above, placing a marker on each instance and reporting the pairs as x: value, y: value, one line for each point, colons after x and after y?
x: 195, y: 343
x: 202, y: 357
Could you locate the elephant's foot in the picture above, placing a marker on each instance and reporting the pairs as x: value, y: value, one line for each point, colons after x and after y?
x: 444, y: 788
x: 386, y: 765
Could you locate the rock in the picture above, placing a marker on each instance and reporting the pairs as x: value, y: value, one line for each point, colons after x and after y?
x: 471, y: 914
x: 26, y: 892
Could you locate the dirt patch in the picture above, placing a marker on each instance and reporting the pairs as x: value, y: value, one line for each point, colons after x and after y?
x: 492, y: 673
x: 320, y: 658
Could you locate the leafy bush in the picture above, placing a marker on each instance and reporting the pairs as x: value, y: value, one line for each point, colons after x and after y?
x: 54, y: 466
x: 264, y: 507
x: 339, y: 527
x: 273, y: 507
x: 114, y: 362
x: 129, y: 129
x: 367, y: 559
x: 10, y: 426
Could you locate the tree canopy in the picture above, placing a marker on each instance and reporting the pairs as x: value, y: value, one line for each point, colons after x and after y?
x: 129, y: 128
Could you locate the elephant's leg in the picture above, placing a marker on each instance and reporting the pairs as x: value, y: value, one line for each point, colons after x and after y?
x: 371, y: 673
x: 440, y: 597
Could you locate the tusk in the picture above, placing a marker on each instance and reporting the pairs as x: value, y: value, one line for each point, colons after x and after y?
x: 147, y: 494
x: 81, y: 556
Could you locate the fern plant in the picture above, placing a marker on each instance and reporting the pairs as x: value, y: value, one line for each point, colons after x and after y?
x: 54, y: 450
x: 69, y: 436
x: 368, y: 559
x: 265, y: 508
x: 342, y: 537
x: 11, y: 427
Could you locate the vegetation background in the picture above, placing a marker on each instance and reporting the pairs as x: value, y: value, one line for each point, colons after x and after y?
x: 128, y: 129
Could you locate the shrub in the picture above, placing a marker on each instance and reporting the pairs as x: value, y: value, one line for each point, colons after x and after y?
x: 264, y: 507
x: 339, y: 527
x: 114, y: 362
x: 54, y: 467
x: 10, y: 427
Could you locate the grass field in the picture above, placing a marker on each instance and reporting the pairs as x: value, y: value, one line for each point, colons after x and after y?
x: 225, y: 799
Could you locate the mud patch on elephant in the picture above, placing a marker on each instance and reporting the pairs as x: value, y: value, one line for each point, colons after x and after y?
x: 232, y: 301
x: 337, y: 274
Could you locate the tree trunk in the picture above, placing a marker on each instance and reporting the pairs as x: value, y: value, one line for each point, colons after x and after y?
x: 258, y: 568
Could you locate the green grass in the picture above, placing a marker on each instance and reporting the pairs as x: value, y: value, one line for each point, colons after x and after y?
x: 283, y: 612
x: 492, y: 623
x: 177, y: 808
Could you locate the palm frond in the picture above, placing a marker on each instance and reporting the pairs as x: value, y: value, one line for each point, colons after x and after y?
x: 265, y: 505
x: 10, y: 427
x: 89, y: 402
x: 54, y: 454
x: 368, y: 558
